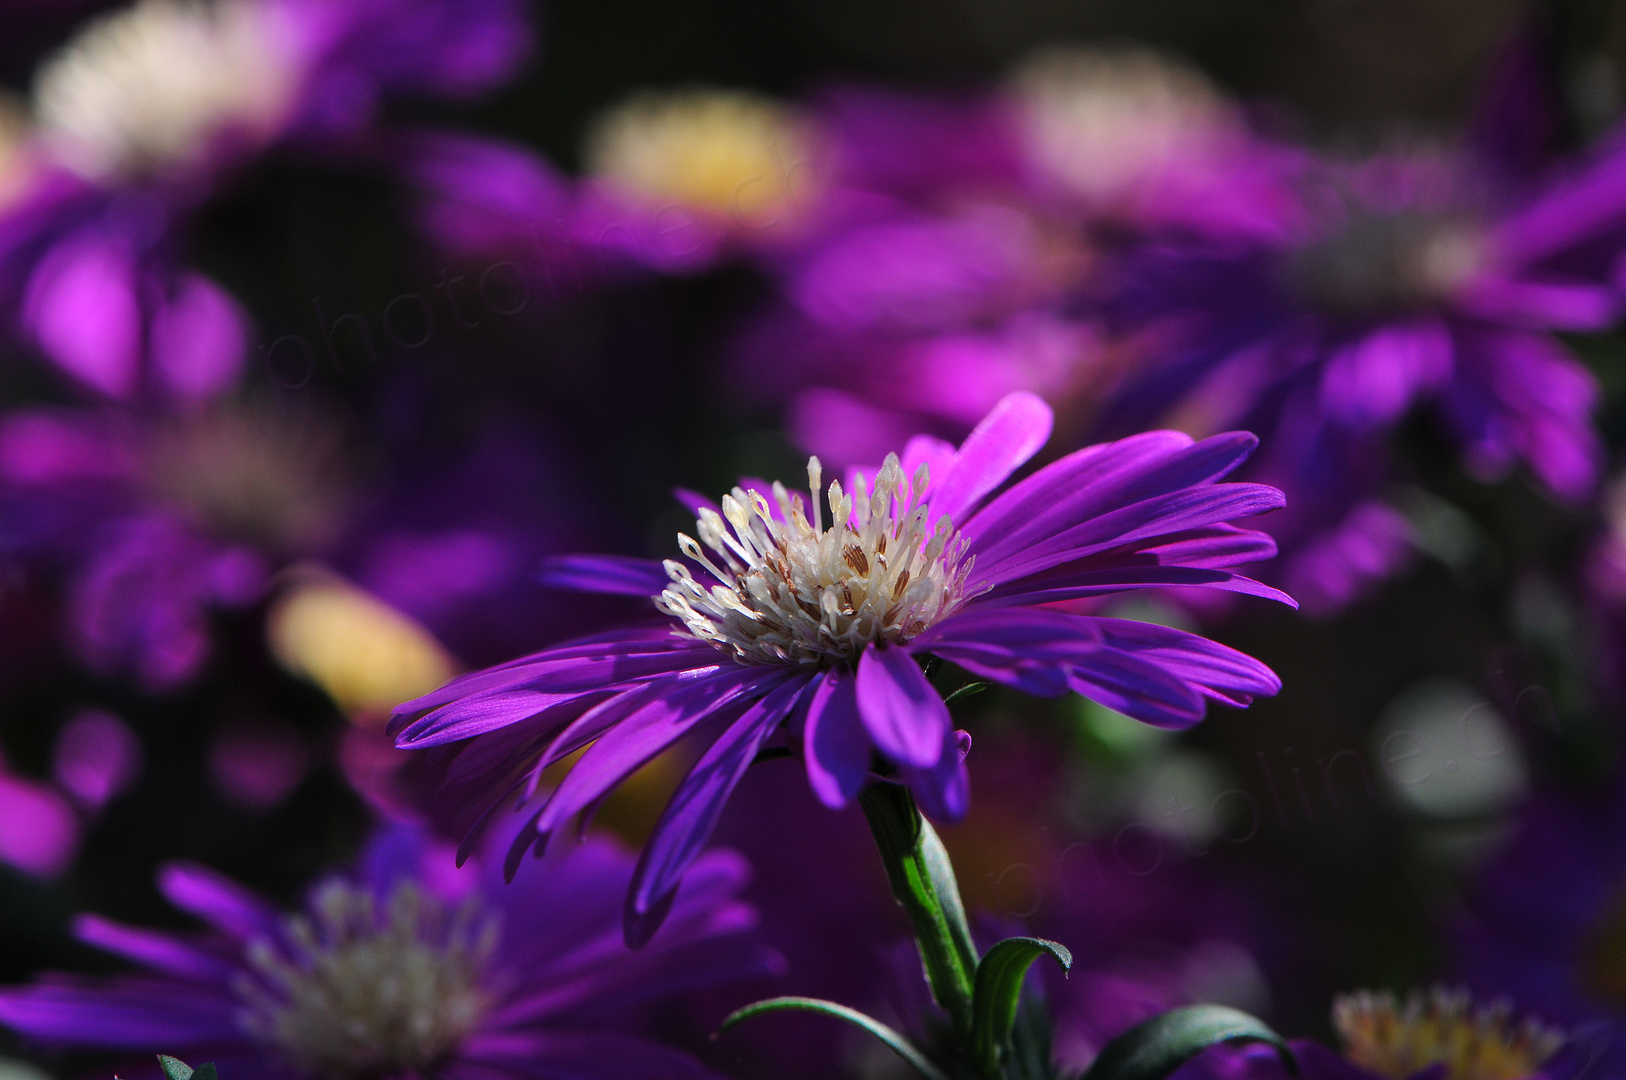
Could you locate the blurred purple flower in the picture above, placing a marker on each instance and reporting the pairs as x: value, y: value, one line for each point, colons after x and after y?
x: 97, y: 758
x: 148, y: 109
x: 1130, y: 252
x: 403, y: 967
x: 1440, y: 1035
x: 152, y: 524
x: 783, y: 624
x: 39, y: 832
x: 256, y: 765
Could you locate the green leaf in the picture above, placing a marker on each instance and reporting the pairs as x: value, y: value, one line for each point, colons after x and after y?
x: 174, y: 1068
x: 1155, y: 1048
x: 999, y: 991
x: 968, y: 690
x: 894, y: 1040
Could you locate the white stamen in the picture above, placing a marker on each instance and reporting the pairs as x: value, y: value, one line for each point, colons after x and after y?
x: 153, y: 86
x: 359, y: 992
x: 792, y: 591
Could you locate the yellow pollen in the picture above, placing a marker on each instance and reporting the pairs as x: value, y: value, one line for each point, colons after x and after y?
x: 791, y: 591
x: 358, y: 992
x: 729, y: 154
x: 1475, y: 1042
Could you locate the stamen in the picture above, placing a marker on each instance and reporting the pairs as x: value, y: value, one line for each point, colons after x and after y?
x: 358, y: 994
x: 792, y: 590
x: 1442, y: 1026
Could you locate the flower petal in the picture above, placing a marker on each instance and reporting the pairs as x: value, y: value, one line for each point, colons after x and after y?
x: 617, y: 574
x: 153, y: 949
x: 943, y: 792
x: 835, y: 745
x: 660, y: 720
x: 150, y: 1014
x: 218, y: 901
x: 903, y: 712
x: 691, y: 815
x: 1011, y: 433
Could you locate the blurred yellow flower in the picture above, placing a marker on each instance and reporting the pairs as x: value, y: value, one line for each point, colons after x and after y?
x: 368, y: 656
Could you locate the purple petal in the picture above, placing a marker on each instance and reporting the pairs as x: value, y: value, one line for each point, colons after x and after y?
x: 1214, y: 669
x: 558, y: 1055
x: 1030, y: 649
x: 650, y: 728
x: 82, y: 308
x: 218, y: 901
x: 1192, y: 508
x: 903, y: 713
x: 691, y: 815
x: 617, y: 574
x: 1100, y: 478
x: 198, y: 338
x: 943, y: 791
x: 153, y: 949
x: 1007, y: 437
x: 835, y: 745
x: 1376, y: 378
x: 149, y: 1014
x: 1050, y: 590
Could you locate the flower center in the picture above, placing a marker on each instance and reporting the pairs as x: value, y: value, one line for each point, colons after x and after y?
x: 280, y: 482
x: 150, y: 87
x: 1102, y: 123
x: 356, y: 992
x: 1476, y: 1043
x: 791, y: 591
x: 730, y: 154
x: 1391, y: 261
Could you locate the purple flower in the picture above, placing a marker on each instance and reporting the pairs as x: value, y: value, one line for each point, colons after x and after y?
x: 152, y: 524
x: 1440, y: 1035
x: 1132, y: 254
x: 148, y: 109
x: 406, y: 968
x: 776, y: 622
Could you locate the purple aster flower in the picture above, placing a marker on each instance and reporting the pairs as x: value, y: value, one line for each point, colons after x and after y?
x: 148, y: 109
x: 405, y: 968
x: 1440, y: 1035
x: 152, y: 524
x: 778, y: 623
x: 1146, y: 261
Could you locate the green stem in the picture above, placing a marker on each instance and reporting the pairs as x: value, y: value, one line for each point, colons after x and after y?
x: 917, y: 868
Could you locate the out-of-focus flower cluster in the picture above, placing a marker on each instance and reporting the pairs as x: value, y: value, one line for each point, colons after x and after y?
x: 313, y: 385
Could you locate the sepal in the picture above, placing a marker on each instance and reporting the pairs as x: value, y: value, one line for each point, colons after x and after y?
x: 176, y: 1069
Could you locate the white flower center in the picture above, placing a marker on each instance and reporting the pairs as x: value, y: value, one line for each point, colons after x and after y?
x: 1379, y: 262
x: 733, y: 154
x: 1399, y: 1040
x: 791, y: 591
x: 358, y: 992
x: 152, y: 87
x: 1103, y: 123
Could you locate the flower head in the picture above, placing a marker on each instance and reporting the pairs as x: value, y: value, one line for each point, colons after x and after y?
x: 147, y: 89
x: 403, y: 969
x: 1442, y: 1026
x: 781, y: 627
x: 725, y: 153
